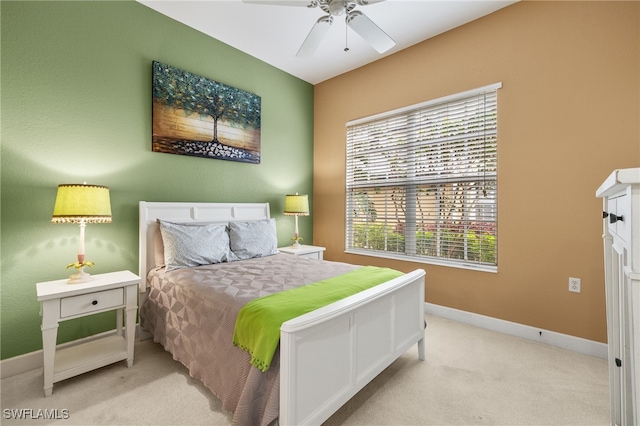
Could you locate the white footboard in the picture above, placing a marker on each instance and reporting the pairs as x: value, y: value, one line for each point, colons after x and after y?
x: 328, y: 355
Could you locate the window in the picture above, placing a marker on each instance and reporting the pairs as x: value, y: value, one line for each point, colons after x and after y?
x: 422, y: 182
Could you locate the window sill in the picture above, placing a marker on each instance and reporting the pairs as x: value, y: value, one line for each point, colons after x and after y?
x: 428, y: 261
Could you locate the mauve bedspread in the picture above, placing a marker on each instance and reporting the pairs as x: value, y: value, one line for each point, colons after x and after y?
x: 192, y: 313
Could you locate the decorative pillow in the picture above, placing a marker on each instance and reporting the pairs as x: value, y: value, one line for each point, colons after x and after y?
x: 188, y: 245
x: 254, y: 238
x: 158, y: 244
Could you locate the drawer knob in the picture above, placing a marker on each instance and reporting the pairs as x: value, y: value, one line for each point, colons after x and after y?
x: 94, y: 303
x: 618, y: 362
x: 613, y: 218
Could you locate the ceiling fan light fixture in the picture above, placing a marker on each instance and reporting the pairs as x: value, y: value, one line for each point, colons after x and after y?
x: 337, y: 7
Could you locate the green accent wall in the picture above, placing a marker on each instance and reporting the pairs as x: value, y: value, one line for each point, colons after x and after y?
x: 76, y: 107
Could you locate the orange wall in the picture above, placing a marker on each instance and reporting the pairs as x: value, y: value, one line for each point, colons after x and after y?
x: 568, y: 115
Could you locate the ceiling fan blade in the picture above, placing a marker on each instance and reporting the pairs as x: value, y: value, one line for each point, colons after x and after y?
x: 299, y: 3
x: 315, y: 36
x: 369, y: 31
x: 366, y: 2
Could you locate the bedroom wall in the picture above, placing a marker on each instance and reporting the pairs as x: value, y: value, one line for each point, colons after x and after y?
x: 76, y: 106
x: 568, y: 115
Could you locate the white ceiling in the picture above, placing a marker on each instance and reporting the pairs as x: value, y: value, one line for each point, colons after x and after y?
x: 274, y: 33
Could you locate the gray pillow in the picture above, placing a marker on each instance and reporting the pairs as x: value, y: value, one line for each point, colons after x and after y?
x: 254, y: 238
x: 188, y: 245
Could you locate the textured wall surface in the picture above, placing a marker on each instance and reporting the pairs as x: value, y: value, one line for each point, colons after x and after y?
x: 76, y: 106
x: 567, y: 116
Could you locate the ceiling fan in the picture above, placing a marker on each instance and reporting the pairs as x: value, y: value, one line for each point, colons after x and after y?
x: 355, y: 19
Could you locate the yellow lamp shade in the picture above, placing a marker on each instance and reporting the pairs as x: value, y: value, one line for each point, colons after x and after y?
x: 81, y: 202
x: 296, y: 205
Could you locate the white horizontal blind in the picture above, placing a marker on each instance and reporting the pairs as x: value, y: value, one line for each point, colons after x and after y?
x: 421, y: 181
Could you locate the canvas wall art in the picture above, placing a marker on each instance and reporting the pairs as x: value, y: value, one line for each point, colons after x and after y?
x: 196, y: 116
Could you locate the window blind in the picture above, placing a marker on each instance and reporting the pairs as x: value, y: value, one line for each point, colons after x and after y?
x: 422, y: 181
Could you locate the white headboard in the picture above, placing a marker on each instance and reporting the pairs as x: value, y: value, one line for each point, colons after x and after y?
x: 187, y: 212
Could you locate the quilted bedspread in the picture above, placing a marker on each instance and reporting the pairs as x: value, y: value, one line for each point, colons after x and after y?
x: 192, y: 313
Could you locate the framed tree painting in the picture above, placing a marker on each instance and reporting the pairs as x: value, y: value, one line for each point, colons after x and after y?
x: 195, y: 116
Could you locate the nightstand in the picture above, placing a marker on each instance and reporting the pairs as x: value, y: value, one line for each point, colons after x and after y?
x: 62, y: 301
x: 311, y: 252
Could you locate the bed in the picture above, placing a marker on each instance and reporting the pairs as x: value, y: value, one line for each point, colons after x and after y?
x: 324, y: 356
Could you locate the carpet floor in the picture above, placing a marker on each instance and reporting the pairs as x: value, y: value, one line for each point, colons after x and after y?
x: 471, y: 376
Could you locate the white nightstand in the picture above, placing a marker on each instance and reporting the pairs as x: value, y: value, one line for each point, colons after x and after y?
x: 312, y: 252
x: 62, y: 301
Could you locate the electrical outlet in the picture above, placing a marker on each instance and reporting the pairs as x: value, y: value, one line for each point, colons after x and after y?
x: 574, y: 284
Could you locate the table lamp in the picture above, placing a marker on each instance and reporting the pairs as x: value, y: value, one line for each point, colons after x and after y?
x: 296, y: 205
x: 82, y: 204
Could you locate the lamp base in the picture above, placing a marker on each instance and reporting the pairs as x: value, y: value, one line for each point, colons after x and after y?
x: 79, y: 277
x: 296, y: 245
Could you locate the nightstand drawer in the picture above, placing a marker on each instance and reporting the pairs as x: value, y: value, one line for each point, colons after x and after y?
x: 85, y: 303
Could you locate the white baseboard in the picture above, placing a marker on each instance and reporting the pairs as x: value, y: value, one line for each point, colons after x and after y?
x: 21, y: 363
x: 565, y: 341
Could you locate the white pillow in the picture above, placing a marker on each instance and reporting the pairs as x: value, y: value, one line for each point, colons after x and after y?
x: 255, y: 238
x: 188, y: 245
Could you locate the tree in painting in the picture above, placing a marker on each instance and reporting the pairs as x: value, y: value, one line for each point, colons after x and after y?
x: 195, y: 95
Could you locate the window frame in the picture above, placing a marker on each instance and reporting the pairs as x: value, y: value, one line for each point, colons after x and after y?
x: 410, y: 245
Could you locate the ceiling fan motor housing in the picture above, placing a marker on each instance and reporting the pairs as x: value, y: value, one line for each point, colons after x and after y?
x: 337, y: 7
x: 354, y: 19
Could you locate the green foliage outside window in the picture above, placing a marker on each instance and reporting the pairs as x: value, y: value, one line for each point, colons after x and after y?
x: 480, y: 245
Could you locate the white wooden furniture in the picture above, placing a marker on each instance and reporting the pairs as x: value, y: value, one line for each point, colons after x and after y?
x: 327, y: 355
x: 62, y: 301
x: 621, y: 213
x: 311, y: 252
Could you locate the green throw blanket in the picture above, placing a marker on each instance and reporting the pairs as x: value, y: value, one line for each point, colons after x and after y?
x: 257, y: 328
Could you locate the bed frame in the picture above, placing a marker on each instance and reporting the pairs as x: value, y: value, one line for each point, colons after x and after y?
x: 328, y: 355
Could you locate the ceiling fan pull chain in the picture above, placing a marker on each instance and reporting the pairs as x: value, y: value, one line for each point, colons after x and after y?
x: 346, y: 40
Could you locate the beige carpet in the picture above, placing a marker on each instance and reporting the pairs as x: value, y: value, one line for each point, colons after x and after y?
x: 471, y: 376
